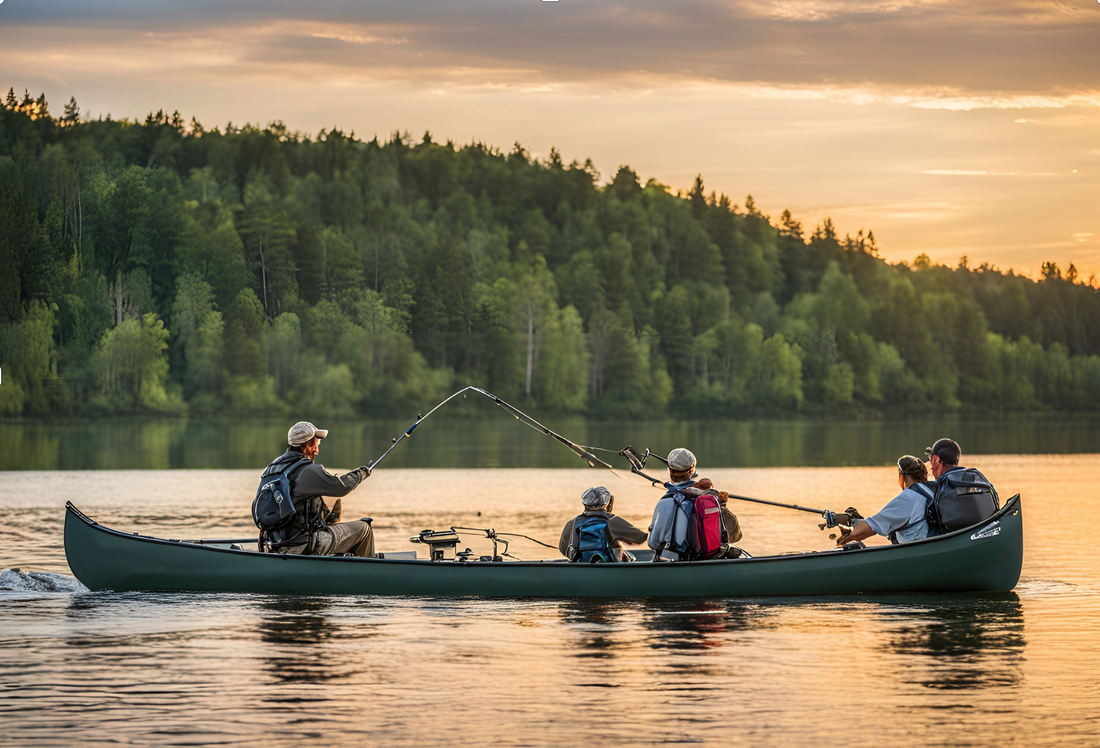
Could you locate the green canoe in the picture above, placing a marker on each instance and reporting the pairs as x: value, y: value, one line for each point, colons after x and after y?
x: 983, y: 558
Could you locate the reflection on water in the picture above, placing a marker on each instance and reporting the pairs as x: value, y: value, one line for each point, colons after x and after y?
x: 349, y: 671
x: 597, y: 621
x: 700, y: 624
x: 177, y: 669
x: 493, y: 440
x: 295, y: 631
x: 960, y: 642
x: 302, y: 643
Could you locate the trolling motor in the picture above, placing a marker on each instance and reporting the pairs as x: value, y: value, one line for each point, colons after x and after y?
x: 441, y: 543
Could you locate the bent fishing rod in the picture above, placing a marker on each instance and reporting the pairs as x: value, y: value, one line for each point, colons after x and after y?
x: 584, y: 453
x: 832, y: 519
x: 637, y: 461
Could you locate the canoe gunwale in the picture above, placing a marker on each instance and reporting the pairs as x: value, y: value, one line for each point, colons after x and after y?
x: 1011, y: 507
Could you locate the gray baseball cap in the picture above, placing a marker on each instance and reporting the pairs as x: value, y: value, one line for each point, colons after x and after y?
x: 681, y: 460
x: 596, y: 497
x: 302, y: 432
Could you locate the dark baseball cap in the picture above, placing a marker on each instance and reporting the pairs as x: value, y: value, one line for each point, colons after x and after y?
x: 947, y: 450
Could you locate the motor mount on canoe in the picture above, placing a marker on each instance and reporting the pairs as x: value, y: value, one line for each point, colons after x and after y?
x: 986, y: 557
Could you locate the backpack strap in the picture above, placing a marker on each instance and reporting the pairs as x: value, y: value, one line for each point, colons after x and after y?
x: 294, y: 468
x: 288, y: 468
x: 922, y: 490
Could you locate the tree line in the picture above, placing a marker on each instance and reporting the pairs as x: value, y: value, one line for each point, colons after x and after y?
x: 158, y: 266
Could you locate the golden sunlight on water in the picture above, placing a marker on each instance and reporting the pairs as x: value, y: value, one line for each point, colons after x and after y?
x: 905, y: 669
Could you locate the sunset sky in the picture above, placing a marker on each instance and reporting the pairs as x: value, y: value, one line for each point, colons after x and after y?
x: 961, y: 128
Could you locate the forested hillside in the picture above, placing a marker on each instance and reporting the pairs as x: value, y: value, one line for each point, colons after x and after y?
x: 161, y: 267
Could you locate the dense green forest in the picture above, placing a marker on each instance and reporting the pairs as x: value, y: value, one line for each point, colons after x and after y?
x: 161, y: 267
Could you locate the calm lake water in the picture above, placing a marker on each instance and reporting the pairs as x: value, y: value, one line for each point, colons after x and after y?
x: 170, y: 669
x: 497, y: 440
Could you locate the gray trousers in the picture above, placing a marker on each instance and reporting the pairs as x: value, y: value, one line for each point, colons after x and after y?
x: 356, y: 538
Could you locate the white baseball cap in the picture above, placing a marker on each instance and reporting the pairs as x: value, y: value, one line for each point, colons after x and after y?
x: 302, y: 432
x: 681, y: 460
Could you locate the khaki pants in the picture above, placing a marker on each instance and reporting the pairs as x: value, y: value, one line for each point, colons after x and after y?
x: 356, y: 538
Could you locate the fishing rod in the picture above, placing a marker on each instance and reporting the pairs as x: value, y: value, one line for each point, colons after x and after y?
x: 581, y: 451
x: 637, y: 461
x: 408, y: 432
x: 832, y: 519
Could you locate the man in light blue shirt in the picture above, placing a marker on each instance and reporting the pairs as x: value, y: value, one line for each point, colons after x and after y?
x: 903, y: 519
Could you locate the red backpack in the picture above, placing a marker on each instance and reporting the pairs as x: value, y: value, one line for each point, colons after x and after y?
x: 706, y: 533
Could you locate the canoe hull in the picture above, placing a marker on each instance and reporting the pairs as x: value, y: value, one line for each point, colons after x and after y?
x: 986, y: 558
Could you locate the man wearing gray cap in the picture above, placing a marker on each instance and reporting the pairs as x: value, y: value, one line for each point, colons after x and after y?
x: 598, y: 503
x: 315, y: 529
x: 682, y: 480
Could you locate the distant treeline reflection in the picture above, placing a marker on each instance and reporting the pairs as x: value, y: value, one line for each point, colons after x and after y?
x: 129, y: 443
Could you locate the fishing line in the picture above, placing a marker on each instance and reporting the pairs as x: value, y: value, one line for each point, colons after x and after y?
x: 490, y: 533
x: 581, y: 451
x: 637, y: 461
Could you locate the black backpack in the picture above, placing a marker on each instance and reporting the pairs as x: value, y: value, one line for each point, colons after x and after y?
x: 963, y: 498
x: 273, y: 509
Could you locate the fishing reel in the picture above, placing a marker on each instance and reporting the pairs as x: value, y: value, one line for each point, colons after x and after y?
x: 637, y: 461
x: 847, y: 518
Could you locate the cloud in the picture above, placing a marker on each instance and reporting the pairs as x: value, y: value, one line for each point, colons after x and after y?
x: 1017, y: 54
x: 968, y: 173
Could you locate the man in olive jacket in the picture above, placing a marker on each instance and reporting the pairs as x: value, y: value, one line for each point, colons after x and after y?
x: 317, y: 530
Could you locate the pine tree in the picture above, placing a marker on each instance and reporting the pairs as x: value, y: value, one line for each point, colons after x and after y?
x: 788, y: 226
x: 42, y: 106
x: 72, y: 113
x: 698, y: 198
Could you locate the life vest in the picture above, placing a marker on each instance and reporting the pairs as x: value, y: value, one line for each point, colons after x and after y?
x: 963, y: 497
x: 592, y: 542
x: 273, y: 509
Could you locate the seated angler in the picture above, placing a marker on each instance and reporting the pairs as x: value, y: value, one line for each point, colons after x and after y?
x: 964, y: 496
x: 596, y: 534
x: 903, y: 518
x: 665, y: 532
x: 314, y: 529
